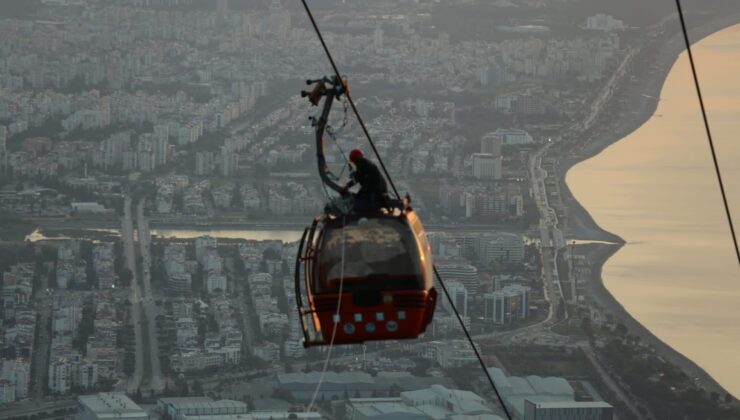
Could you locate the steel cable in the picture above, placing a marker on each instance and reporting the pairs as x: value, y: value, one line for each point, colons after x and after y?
x: 707, y: 129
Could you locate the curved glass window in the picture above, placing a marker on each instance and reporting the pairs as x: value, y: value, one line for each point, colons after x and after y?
x: 379, y: 254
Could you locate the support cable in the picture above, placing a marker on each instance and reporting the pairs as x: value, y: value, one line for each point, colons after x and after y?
x: 706, y: 127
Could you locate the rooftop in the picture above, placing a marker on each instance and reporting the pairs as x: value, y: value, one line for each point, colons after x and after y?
x: 113, y: 405
x: 567, y: 404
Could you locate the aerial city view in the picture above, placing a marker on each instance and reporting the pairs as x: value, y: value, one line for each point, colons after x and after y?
x: 369, y: 209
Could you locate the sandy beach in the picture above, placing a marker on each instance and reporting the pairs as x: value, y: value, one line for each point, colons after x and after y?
x: 635, y: 102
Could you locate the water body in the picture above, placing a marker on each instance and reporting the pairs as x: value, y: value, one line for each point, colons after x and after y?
x: 657, y: 189
x: 258, y: 235
x: 246, y: 234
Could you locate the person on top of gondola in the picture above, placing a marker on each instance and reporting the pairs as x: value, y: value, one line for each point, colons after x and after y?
x: 373, y: 188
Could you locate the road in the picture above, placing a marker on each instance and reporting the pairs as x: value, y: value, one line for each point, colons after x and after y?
x: 247, y: 322
x: 147, y: 304
x: 607, y: 378
x: 38, y: 408
x: 44, y: 301
x: 127, y: 236
x: 551, y: 237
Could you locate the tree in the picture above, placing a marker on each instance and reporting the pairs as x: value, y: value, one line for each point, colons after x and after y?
x: 714, y: 396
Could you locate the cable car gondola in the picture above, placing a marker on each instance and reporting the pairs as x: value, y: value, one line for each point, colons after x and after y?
x: 361, y: 276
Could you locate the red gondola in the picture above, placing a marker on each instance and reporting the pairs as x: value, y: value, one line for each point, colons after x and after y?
x: 375, y: 267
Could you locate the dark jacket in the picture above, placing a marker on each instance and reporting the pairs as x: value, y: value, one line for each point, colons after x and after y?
x: 369, y: 177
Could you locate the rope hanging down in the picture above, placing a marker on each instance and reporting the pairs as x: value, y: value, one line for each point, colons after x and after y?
x: 706, y: 127
x: 390, y: 181
x: 333, y: 330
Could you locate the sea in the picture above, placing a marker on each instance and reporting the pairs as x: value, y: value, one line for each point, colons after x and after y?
x: 657, y: 189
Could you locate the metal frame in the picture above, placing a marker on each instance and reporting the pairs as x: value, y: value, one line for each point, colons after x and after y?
x: 331, y: 88
x: 306, y: 258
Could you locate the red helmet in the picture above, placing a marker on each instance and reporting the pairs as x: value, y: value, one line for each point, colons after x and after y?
x: 355, y: 155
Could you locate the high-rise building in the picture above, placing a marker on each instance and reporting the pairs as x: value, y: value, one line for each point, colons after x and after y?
x: 204, y: 163
x: 215, y: 281
x: 202, y: 244
x: 458, y: 270
x: 507, y: 305
x: 146, y: 160
x: 7, y: 391
x: 3, y: 138
x: 161, y: 147
x: 229, y: 161
x: 86, y: 375
x: 60, y: 376
x: 113, y: 148
x: 513, y: 137
x: 483, y: 75
x: 491, y: 144
x: 179, y: 283
x: 18, y: 372
x: 129, y: 160
x: 503, y: 248
x: 487, y: 166
x: 459, y: 295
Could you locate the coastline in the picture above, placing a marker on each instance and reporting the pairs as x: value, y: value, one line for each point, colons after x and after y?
x: 641, y: 97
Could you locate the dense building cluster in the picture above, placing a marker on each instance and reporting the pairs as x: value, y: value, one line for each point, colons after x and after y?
x: 191, y: 110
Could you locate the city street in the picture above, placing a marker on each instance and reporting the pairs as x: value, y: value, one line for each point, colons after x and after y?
x: 127, y: 236
x: 148, y: 307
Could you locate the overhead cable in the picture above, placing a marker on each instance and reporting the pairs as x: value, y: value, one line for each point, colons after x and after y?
x: 708, y: 130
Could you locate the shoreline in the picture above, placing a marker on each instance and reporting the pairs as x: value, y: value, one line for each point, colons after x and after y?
x: 582, y: 226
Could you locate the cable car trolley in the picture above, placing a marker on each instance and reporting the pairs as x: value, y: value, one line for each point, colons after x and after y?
x: 360, y: 276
